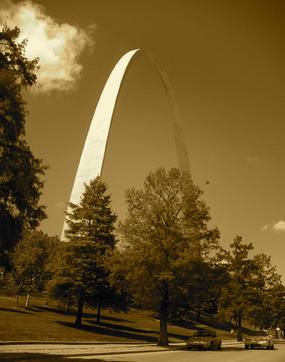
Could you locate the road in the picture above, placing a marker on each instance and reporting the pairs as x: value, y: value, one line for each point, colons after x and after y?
x: 227, y: 354
x: 47, y: 353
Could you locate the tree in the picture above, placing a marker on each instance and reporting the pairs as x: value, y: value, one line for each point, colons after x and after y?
x: 83, y: 270
x: 79, y: 276
x: 30, y: 262
x: 201, y: 292
x: 237, y: 293
x: 251, y: 286
x: 92, y: 219
x: 165, y: 233
x: 268, y: 308
x: 20, y: 178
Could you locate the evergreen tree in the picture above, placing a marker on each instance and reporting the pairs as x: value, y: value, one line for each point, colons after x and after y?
x: 82, y: 271
x: 20, y: 176
x: 80, y: 275
x: 92, y: 219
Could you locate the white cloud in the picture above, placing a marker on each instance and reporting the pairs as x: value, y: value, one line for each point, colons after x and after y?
x: 57, y: 45
x: 265, y: 227
x: 279, y: 226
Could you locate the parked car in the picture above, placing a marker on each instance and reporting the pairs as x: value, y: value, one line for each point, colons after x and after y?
x: 204, y: 339
x: 259, y: 339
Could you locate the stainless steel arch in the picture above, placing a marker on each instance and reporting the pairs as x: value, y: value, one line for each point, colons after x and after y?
x: 92, y: 157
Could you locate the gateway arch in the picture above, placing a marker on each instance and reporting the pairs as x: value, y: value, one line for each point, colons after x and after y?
x: 94, y: 151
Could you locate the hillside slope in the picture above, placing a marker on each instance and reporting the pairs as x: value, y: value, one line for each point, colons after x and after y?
x: 45, y: 322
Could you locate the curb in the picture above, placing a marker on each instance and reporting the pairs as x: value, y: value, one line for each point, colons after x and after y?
x: 165, y: 349
x: 120, y: 352
x: 174, y: 347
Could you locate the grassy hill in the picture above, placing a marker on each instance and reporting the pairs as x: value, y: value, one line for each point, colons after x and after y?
x: 44, y: 321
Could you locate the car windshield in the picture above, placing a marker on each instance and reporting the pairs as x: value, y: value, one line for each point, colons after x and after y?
x: 203, y: 334
x: 258, y: 333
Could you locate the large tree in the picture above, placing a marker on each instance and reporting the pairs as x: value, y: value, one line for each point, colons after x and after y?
x: 31, y: 260
x: 20, y: 176
x: 165, y: 234
x: 82, y: 271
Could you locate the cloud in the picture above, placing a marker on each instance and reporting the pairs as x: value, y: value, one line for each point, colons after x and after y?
x: 279, y: 226
x: 57, y: 45
x: 265, y: 227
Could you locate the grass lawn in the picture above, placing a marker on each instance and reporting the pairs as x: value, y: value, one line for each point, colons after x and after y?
x: 45, y: 322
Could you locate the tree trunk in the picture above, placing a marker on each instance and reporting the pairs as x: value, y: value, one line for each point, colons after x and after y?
x: 239, y: 326
x: 27, y: 301
x: 98, y: 313
x: 163, y: 335
x: 80, y: 306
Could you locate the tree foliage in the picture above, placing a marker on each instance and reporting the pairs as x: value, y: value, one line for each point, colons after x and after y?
x: 250, y: 288
x: 31, y: 260
x: 80, y: 275
x: 20, y: 177
x: 166, y: 233
x: 82, y: 272
x: 92, y: 219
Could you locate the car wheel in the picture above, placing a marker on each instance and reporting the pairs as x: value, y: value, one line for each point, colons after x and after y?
x: 246, y: 347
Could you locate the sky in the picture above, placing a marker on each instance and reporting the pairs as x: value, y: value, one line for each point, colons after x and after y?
x: 225, y: 60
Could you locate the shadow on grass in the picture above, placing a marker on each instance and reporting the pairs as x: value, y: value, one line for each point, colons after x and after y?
x: 119, y: 327
x: 114, y: 319
x: 211, y: 322
x: 186, y: 324
x: 16, y: 310
x: 109, y: 331
x: 114, y: 330
x: 207, y: 322
x: 40, y: 357
x: 85, y: 315
x: 40, y: 309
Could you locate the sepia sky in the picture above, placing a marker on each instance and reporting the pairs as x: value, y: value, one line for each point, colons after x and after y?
x: 226, y: 62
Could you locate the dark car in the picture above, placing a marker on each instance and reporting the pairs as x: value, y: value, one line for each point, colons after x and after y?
x: 259, y: 339
x: 204, y: 339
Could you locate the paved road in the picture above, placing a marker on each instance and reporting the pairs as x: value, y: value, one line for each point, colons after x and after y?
x: 227, y: 354
x: 231, y: 352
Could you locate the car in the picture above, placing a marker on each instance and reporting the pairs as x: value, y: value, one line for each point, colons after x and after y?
x: 259, y: 339
x: 204, y: 339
